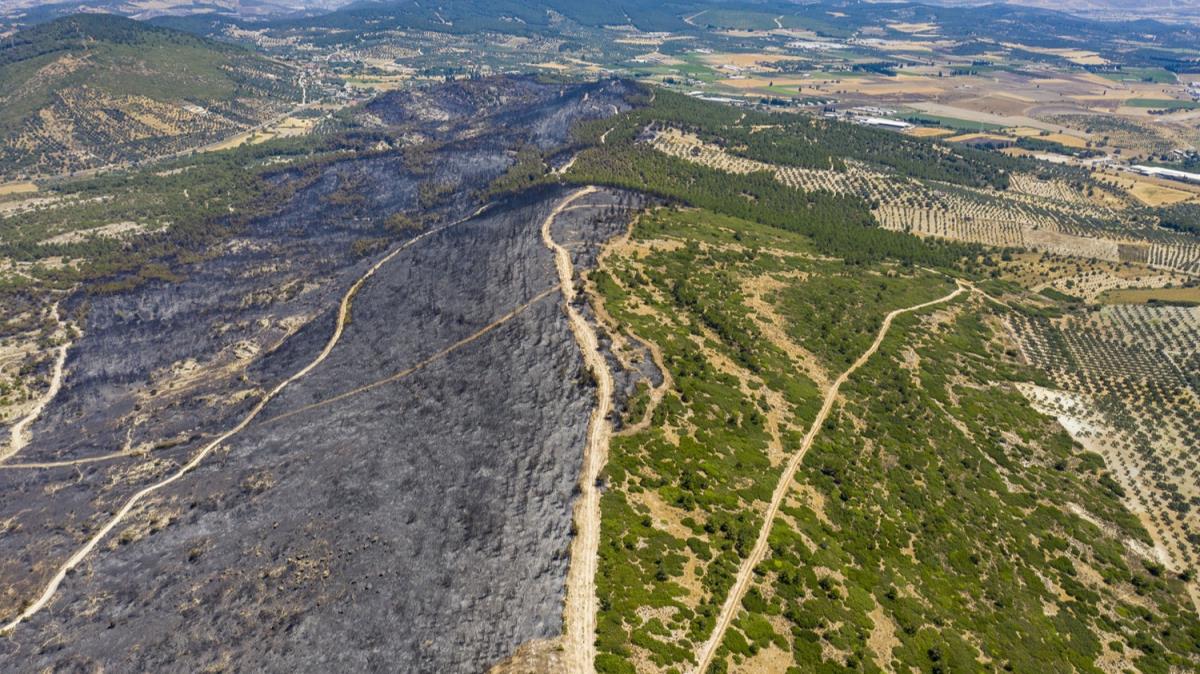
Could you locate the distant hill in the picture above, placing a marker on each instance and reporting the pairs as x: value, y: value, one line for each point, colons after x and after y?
x: 516, y: 17
x: 1104, y: 9
x: 36, y: 11
x: 90, y: 90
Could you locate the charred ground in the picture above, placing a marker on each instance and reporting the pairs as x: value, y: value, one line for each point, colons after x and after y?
x: 355, y: 522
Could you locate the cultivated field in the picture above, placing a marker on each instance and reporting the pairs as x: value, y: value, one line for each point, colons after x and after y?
x: 1125, y: 385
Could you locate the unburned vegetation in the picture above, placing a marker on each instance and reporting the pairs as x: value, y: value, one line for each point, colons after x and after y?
x: 939, y: 522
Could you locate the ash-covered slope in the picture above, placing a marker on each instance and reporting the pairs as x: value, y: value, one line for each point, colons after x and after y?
x: 369, y: 517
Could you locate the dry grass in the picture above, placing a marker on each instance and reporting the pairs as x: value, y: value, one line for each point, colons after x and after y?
x: 1060, y: 138
x: 929, y: 131
x: 963, y: 138
x: 913, y: 27
x: 17, y: 188
x: 1154, y: 194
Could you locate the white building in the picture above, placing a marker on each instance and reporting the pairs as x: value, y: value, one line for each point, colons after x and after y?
x: 1171, y: 174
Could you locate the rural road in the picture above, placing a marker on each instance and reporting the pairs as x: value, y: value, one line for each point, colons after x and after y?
x: 744, y: 576
x: 579, y: 614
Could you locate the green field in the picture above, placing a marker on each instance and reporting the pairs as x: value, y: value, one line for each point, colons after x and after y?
x: 1156, y: 75
x: 1162, y: 103
x: 950, y: 122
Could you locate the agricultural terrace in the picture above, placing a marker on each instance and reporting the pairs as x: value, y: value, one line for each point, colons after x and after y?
x: 1124, y: 379
x: 1043, y: 209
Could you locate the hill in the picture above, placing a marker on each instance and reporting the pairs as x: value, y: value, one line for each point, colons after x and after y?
x: 91, y: 90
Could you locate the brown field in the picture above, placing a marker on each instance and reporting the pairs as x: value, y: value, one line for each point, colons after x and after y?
x: 904, y: 45
x: 833, y: 83
x: 1153, y: 194
x: 748, y: 60
x: 997, y: 104
x: 1060, y: 138
x: 1143, y: 295
x: 17, y: 188
x: 762, y: 83
x: 1083, y: 57
x: 977, y: 136
x: 987, y: 118
x: 929, y: 131
x: 1065, y: 139
x: 652, y: 57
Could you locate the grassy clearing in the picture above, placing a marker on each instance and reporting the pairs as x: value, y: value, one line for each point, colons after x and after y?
x: 1154, y: 75
x: 8, y: 189
x: 1184, y: 296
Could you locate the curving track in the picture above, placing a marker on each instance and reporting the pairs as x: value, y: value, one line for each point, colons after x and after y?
x: 742, y: 581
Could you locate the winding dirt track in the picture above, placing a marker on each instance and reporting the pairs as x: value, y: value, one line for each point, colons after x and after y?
x: 52, y: 586
x: 742, y: 581
x: 19, y: 435
x: 579, y: 613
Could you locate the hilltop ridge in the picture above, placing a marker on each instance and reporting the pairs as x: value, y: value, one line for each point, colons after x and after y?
x: 89, y: 90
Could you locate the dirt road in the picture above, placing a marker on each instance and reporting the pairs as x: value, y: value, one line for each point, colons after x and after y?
x: 19, y: 434
x: 579, y: 614
x: 744, y: 576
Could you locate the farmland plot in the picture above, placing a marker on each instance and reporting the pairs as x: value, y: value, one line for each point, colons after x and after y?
x: 1127, y: 387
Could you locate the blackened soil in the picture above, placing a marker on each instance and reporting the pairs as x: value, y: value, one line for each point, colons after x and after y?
x: 417, y: 525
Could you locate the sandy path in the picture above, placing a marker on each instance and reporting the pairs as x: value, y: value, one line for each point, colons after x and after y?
x: 19, y: 434
x: 570, y: 162
x: 668, y: 382
x: 744, y: 577
x: 52, y: 586
x: 579, y: 614
x: 61, y: 464
x: 656, y: 393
